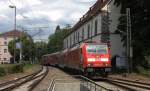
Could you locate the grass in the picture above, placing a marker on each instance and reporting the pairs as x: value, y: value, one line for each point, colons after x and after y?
x: 17, y: 68
x: 26, y: 66
x: 6, y: 65
x: 30, y: 67
x: 144, y: 72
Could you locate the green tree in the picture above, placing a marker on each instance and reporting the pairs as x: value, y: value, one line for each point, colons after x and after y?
x: 56, y: 40
x: 140, y: 17
x: 11, y: 48
x: 57, y: 29
x: 27, y: 48
x: 40, y: 49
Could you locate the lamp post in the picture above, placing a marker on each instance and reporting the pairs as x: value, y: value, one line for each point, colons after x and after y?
x: 13, y: 6
x: 129, y: 39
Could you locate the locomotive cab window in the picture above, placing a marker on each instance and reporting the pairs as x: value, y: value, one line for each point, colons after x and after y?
x: 96, y: 49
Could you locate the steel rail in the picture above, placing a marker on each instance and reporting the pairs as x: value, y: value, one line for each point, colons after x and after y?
x: 12, y: 81
x: 38, y: 81
x: 7, y: 86
x: 126, y: 83
x: 133, y: 81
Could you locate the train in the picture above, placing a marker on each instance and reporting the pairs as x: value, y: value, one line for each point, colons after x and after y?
x: 87, y: 58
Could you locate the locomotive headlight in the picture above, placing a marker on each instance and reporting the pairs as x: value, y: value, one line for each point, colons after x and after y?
x: 104, y: 59
x: 91, y: 60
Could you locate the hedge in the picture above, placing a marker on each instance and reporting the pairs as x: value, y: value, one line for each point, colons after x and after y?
x: 10, y: 69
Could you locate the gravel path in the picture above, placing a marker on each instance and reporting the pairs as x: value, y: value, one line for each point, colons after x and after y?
x: 44, y: 84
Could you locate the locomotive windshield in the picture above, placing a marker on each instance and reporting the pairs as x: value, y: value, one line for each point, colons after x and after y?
x: 97, y: 49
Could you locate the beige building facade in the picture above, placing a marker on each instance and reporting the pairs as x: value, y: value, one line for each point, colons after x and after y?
x: 5, y: 38
x: 4, y: 53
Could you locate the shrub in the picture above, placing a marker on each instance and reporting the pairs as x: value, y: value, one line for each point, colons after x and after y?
x: 11, y: 69
x: 17, y: 68
x: 2, y: 71
x: 142, y: 71
x: 119, y: 70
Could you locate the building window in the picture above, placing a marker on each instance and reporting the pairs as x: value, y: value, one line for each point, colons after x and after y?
x: 5, y: 59
x: 5, y: 50
x: 78, y: 36
x: 67, y: 43
x: 89, y: 31
x: 5, y: 43
x: 83, y: 34
x: 70, y: 41
x: 74, y: 38
x: 95, y: 27
x: 5, y: 38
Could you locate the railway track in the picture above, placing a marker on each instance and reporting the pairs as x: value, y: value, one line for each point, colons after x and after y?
x: 25, y: 83
x: 129, y: 84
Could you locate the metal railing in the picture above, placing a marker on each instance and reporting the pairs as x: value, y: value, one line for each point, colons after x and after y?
x: 84, y: 82
x: 93, y: 86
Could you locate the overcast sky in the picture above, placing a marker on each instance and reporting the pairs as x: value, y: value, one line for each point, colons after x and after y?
x: 33, y: 13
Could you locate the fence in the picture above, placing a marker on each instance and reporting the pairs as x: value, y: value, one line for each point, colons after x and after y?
x: 74, y: 83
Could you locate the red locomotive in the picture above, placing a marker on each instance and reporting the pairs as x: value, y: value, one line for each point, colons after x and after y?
x: 89, y: 58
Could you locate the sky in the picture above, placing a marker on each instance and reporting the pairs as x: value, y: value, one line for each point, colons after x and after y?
x: 32, y: 14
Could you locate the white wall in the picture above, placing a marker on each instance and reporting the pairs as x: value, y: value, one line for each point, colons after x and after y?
x: 115, y: 40
x: 85, y: 26
x: 116, y: 46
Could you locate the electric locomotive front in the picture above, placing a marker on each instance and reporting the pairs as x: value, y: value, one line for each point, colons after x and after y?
x: 96, y: 58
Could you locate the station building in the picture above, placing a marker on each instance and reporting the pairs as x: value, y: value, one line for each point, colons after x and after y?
x: 5, y: 38
x: 99, y: 24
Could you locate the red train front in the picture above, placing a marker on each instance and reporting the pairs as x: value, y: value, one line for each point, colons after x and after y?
x: 88, y: 58
x: 95, y: 58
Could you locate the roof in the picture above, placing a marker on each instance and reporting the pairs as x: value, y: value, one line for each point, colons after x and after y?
x: 13, y: 33
x: 93, y: 11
